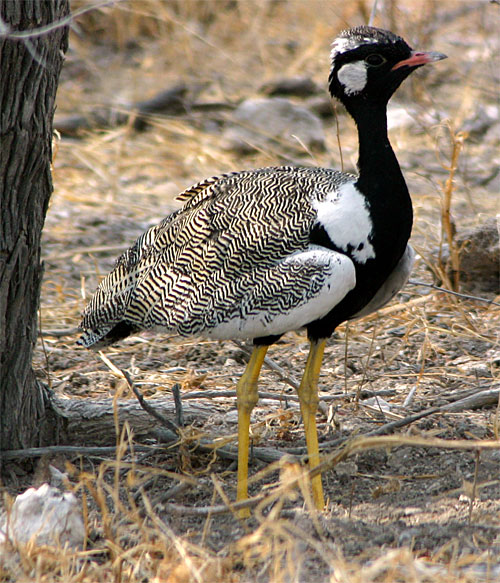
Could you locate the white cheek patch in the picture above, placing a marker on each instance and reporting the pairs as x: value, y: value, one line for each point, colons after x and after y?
x: 346, y: 219
x: 353, y: 77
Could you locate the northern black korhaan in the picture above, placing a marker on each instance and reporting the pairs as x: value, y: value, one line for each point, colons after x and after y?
x: 256, y: 253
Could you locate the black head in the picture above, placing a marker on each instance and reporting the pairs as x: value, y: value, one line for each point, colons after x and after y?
x: 369, y: 64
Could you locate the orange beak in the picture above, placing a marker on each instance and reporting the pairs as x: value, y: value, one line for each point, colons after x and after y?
x: 418, y: 58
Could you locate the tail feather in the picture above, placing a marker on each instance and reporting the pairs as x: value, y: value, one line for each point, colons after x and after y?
x: 90, y: 339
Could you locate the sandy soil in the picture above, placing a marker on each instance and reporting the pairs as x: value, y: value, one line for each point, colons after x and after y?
x: 393, y: 514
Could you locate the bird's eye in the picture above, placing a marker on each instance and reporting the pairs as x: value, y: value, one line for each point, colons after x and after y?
x: 375, y: 60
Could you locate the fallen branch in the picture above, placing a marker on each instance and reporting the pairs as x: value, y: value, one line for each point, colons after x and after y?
x: 264, y: 454
x: 213, y: 510
x: 177, y: 100
x: 480, y: 399
x: 71, y: 450
x: 213, y: 394
x: 91, y: 421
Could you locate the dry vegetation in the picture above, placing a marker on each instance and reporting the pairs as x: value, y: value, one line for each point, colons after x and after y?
x: 422, y: 505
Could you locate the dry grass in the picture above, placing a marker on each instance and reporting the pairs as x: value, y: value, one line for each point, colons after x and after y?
x: 112, y: 184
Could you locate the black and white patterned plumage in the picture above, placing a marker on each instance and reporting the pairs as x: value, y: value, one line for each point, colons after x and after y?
x: 237, y: 257
x: 256, y: 253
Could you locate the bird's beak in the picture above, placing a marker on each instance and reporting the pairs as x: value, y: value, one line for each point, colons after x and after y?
x: 418, y: 58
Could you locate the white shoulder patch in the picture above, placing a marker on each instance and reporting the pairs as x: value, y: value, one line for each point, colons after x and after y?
x: 345, y: 216
x: 353, y: 77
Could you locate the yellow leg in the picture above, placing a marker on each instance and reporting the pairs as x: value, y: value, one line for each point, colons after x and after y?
x: 308, y: 397
x: 247, y: 397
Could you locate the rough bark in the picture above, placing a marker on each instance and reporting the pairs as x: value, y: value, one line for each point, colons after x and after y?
x: 30, y: 70
x: 92, y: 422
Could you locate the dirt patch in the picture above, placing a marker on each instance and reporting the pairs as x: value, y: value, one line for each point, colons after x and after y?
x: 393, y: 514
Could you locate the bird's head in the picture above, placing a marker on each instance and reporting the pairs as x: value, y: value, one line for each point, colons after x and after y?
x: 369, y: 64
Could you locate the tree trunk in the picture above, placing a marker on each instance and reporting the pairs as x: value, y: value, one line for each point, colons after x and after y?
x: 30, y: 70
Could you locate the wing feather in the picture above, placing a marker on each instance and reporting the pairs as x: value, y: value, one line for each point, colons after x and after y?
x: 225, y: 252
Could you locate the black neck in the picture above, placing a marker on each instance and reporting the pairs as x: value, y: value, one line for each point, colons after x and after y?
x: 377, y: 163
x: 381, y: 181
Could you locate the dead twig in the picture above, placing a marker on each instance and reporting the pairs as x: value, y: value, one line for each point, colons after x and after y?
x: 363, y: 443
x: 481, y: 399
x: 354, y: 446
x: 59, y: 333
x: 145, y: 405
x: 447, y: 226
x: 179, y: 414
x: 214, y: 510
x: 142, y: 401
x: 87, y: 250
x: 208, y: 394
x: 454, y: 293
x: 474, y: 485
x: 382, y: 430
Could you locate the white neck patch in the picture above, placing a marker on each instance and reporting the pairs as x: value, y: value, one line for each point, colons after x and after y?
x: 353, y: 77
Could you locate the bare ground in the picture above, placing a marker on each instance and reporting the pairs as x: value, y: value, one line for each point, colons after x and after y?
x: 412, y: 512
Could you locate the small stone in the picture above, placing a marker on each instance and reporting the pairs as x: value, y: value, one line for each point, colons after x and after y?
x: 378, y: 403
x: 480, y: 369
x: 408, y: 536
x: 399, y: 117
x: 346, y: 469
x: 230, y: 362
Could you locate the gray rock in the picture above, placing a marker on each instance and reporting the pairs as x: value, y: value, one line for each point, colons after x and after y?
x: 479, y: 257
x: 260, y: 122
x: 483, y: 119
x: 298, y: 86
x: 323, y: 106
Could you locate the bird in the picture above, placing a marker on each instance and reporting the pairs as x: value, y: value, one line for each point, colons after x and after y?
x: 253, y: 254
